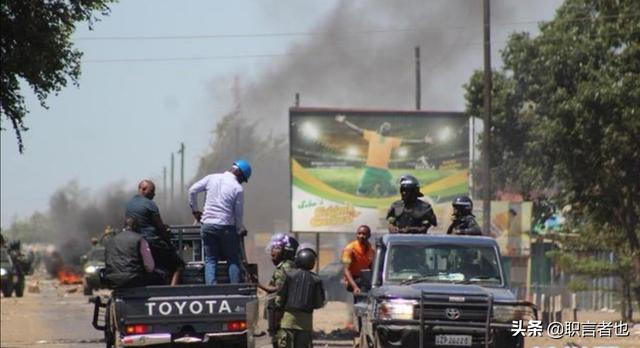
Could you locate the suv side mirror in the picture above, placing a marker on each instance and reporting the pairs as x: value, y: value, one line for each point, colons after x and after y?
x: 365, y: 279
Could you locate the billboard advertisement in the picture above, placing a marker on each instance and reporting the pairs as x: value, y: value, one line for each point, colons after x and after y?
x: 346, y: 164
x: 510, y: 226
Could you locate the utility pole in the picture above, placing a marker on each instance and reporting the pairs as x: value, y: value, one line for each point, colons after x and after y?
x: 418, y: 79
x: 181, y: 152
x: 486, y: 141
x: 164, y: 184
x: 297, y: 102
x: 236, y: 121
x: 172, y: 169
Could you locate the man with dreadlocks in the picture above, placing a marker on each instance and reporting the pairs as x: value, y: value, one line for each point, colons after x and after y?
x: 282, y: 248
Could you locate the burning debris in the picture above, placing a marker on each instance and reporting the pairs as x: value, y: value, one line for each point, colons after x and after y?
x: 67, y: 275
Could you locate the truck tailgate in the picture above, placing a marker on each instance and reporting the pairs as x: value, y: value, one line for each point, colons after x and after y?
x: 197, y: 308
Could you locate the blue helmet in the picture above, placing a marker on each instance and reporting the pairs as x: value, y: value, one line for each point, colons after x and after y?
x: 244, y: 167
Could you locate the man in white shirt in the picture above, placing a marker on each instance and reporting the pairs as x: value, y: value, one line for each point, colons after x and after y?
x: 221, y: 218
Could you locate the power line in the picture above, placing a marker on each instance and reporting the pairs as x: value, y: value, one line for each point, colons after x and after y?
x: 469, y: 45
x: 334, y: 33
x: 182, y: 59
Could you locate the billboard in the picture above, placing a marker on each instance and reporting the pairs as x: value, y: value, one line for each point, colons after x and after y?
x: 346, y: 164
x: 510, y: 226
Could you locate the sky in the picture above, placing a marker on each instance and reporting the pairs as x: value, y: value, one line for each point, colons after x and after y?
x: 158, y: 73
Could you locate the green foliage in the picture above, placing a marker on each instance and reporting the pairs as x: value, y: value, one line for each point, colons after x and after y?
x: 567, y: 111
x: 566, y: 121
x: 567, y: 103
x: 36, y: 228
x: 36, y: 48
x: 578, y: 284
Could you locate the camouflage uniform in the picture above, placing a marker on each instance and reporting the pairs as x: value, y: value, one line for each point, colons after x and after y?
x: 296, y: 326
x: 275, y: 314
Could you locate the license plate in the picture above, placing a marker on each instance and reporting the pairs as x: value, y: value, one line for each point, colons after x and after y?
x: 453, y: 340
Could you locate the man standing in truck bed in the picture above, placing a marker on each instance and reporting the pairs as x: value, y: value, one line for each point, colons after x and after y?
x: 410, y: 214
x: 221, y: 218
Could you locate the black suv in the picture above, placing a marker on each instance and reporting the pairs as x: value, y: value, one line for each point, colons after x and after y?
x: 434, y: 290
x: 12, y: 273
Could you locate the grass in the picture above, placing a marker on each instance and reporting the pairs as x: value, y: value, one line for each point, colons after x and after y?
x: 348, y: 179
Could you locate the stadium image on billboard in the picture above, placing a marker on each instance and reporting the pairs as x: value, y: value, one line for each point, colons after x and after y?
x: 345, y: 164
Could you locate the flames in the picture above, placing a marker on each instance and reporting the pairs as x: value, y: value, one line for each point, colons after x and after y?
x: 67, y: 275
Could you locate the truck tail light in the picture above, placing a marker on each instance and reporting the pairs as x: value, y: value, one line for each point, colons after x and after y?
x: 137, y: 329
x: 237, y: 325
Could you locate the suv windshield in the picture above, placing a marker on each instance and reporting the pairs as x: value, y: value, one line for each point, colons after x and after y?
x: 442, y: 263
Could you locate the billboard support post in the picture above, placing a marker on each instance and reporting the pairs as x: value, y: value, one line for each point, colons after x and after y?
x: 418, y: 79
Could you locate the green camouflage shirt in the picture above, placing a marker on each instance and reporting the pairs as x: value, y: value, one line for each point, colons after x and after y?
x: 277, y: 279
x: 279, y: 275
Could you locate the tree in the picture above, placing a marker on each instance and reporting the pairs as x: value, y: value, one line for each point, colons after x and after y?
x: 267, y: 195
x: 36, y: 48
x: 572, y: 95
x: 578, y: 256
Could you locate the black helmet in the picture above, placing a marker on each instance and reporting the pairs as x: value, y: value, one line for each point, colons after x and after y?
x: 290, y: 249
x: 14, y: 244
x: 463, y: 204
x: 409, y: 182
x: 306, y: 259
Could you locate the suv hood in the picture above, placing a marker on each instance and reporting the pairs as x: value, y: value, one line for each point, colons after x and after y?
x: 413, y: 291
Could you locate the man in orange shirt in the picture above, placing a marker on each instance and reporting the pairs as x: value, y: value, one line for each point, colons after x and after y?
x: 376, y: 172
x: 356, y: 256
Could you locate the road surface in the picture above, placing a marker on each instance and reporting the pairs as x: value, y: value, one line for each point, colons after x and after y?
x: 60, y: 316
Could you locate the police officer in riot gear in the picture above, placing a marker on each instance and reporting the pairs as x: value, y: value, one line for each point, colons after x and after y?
x: 464, y: 222
x: 410, y: 214
x: 301, y: 294
x: 282, y: 248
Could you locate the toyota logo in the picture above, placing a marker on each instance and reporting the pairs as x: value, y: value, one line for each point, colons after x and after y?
x: 452, y: 313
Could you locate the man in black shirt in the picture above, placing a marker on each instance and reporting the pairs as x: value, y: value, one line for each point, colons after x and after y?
x: 147, y: 215
x: 128, y: 260
x: 410, y: 214
x: 464, y: 222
